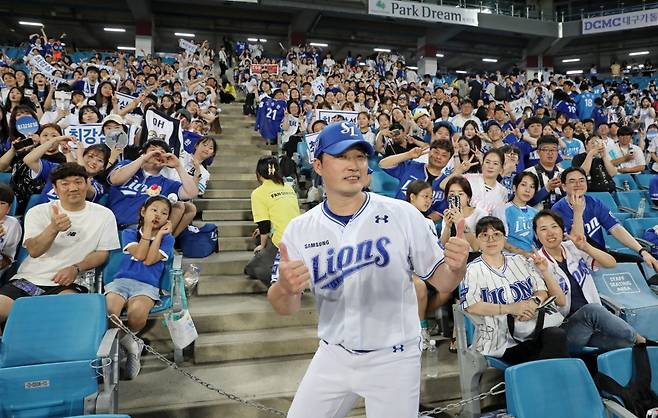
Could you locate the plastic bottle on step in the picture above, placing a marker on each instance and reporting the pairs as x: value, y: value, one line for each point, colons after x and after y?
x: 641, y: 207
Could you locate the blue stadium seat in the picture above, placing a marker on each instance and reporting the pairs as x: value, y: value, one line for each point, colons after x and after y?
x: 304, y: 163
x: 53, y: 351
x: 624, y: 290
x: 630, y: 201
x: 618, y: 365
x: 384, y: 184
x: 638, y: 226
x: 619, y: 180
x: 373, y: 163
x: 556, y: 388
x: 611, y: 243
x: 610, y: 202
x: 14, y: 205
x: 5, y: 178
x: 643, y: 180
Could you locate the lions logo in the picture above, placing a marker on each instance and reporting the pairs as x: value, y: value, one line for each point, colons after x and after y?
x: 154, y: 190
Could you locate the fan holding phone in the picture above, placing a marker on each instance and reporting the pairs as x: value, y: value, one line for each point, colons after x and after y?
x: 459, y: 193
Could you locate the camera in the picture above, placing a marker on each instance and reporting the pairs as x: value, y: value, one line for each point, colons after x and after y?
x: 395, y: 132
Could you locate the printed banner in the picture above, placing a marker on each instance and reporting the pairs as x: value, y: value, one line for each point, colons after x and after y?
x: 331, y: 116
x: 259, y: 68
x: 188, y: 46
x: 423, y: 11
x: 158, y: 125
x: 54, y: 81
x: 41, y: 64
x: 311, y: 145
x: 123, y: 99
x: 622, y: 21
x: 92, y: 133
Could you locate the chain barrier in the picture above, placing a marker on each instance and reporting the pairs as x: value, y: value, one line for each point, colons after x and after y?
x: 495, y: 390
x: 231, y: 396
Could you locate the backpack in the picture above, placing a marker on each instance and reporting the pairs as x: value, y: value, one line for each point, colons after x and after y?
x: 500, y: 92
x: 198, y: 242
x: 637, y: 396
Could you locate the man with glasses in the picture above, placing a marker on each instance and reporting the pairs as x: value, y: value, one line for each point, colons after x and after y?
x: 548, y: 173
x: 595, y: 216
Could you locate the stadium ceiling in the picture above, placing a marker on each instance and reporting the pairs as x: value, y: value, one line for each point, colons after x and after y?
x: 343, y: 24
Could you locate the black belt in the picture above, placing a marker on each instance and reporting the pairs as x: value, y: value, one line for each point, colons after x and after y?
x: 350, y: 350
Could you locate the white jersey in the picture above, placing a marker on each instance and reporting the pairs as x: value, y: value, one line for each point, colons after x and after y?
x: 515, y: 281
x: 580, y: 266
x: 361, y: 271
x: 486, y: 198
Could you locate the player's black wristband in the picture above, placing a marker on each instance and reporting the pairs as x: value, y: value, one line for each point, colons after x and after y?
x: 641, y: 250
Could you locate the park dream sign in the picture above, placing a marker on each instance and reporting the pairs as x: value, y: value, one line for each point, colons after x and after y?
x: 423, y: 11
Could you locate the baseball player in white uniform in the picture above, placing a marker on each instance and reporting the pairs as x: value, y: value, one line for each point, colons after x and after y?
x: 356, y: 252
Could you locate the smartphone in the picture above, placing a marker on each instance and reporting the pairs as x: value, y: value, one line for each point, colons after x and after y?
x: 27, y: 287
x: 24, y: 143
x: 548, y: 301
x: 454, y: 201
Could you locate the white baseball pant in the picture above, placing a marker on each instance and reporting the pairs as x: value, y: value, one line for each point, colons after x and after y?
x: 388, y: 380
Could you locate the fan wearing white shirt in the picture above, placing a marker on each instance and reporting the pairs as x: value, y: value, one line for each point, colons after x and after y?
x: 628, y: 157
x: 488, y: 194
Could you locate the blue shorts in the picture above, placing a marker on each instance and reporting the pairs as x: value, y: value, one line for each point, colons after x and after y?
x: 128, y: 288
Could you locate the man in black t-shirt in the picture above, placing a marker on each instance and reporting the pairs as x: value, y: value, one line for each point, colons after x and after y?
x: 597, y: 165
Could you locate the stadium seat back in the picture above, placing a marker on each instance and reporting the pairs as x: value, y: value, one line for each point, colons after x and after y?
x: 46, y: 390
x: 632, y: 199
x: 552, y: 388
x: 643, y: 180
x: 52, y: 329
x: 621, y: 179
x: 611, y: 243
x: 384, y: 184
x: 14, y: 205
x: 618, y: 364
x: 638, y: 226
x: 607, y: 200
x: 304, y: 162
x: 628, y: 290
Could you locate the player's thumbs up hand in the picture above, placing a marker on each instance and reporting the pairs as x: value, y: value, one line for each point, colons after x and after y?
x: 293, y: 274
x: 456, y: 249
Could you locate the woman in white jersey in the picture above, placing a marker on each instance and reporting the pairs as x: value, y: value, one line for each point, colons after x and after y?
x: 357, y: 251
x: 499, y: 284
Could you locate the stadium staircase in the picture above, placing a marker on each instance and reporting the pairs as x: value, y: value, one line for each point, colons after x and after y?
x: 243, y: 346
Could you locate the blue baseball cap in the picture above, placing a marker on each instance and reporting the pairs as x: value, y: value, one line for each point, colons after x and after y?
x: 337, y: 137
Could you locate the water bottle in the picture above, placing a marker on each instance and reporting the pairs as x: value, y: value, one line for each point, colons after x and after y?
x: 641, y: 207
x: 626, y: 186
x: 191, y: 276
x: 431, y: 361
x: 177, y: 296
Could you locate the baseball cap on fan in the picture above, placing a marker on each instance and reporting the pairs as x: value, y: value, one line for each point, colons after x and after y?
x: 337, y: 137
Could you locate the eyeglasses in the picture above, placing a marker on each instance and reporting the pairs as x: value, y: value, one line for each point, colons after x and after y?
x: 548, y: 150
x: 496, y: 236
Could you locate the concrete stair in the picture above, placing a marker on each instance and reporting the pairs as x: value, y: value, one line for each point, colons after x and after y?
x: 244, y: 347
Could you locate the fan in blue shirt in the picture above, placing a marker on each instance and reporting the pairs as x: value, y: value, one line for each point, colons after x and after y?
x: 272, y: 115
x: 585, y: 103
x: 133, y: 182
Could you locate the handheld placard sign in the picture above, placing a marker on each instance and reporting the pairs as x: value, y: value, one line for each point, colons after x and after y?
x: 27, y: 125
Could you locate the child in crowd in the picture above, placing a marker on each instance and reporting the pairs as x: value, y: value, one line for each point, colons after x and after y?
x: 136, y: 285
x: 419, y: 194
x: 10, y: 230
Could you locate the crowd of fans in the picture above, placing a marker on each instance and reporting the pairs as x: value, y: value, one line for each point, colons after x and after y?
x: 87, y: 173
x: 511, y: 156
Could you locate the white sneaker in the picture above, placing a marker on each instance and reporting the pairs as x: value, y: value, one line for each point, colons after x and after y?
x: 425, y: 335
x: 133, y: 356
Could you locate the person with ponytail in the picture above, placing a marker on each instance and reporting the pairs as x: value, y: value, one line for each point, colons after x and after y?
x: 273, y: 205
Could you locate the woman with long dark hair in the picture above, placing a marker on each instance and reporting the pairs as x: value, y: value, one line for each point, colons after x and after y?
x: 273, y: 205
